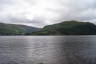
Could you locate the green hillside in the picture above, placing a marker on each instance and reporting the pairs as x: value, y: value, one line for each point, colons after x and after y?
x: 12, y: 29
x: 68, y: 28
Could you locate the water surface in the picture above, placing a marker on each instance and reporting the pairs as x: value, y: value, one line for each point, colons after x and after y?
x: 47, y: 49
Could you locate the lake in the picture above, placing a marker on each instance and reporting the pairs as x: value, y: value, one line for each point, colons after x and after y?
x: 47, y: 49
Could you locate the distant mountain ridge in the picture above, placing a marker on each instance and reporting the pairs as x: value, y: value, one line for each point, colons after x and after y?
x: 68, y: 28
x: 63, y: 28
x: 13, y: 29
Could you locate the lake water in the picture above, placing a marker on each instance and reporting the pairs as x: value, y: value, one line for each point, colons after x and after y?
x: 47, y: 49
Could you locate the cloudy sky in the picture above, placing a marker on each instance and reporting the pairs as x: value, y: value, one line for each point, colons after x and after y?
x: 44, y: 12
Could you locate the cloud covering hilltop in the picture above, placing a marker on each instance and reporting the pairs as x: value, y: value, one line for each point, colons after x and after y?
x: 43, y: 12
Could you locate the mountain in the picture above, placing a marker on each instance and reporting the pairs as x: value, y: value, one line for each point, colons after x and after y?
x: 28, y: 29
x: 12, y: 29
x: 68, y: 28
x: 63, y: 28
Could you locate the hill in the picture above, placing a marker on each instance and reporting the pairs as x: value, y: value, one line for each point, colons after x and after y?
x: 68, y: 28
x: 12, y: 29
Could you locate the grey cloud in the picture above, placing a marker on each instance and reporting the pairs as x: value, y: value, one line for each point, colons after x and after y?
x: 42, y: 12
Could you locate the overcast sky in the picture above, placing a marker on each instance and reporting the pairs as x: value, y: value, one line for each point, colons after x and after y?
x: 44, y: 12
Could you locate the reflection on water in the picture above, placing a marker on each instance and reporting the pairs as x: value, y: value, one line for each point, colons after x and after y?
x: 48, y: 50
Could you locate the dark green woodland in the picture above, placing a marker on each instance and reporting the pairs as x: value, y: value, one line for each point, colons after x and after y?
x: 69, y: 28
x: 63, y: 28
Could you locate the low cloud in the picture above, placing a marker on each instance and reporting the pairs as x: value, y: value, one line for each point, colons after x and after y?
x: 44, y: 12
